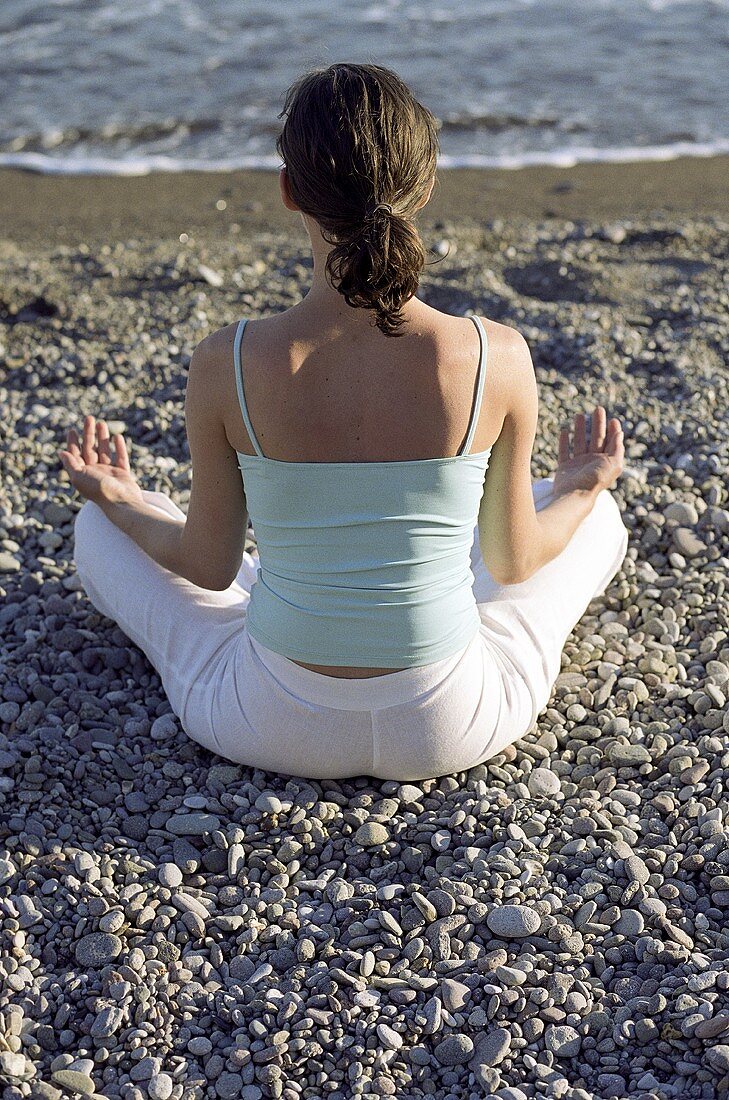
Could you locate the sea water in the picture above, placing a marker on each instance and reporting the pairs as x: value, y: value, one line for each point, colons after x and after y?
x: 103, y: 86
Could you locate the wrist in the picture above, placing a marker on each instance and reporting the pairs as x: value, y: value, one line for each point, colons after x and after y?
x: 578, y: 494
x: 112, y: 493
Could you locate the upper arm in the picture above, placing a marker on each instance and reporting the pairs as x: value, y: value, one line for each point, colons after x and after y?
x: 217, y: 516
x: 507, y: 521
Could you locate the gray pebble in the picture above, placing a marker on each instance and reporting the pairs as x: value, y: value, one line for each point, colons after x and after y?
x: 562, y: 1040
x: 688, y: 543
x: 409, y: 794
x: 145, y: 1068
x: 170, y: 875
x: 160, y: 1086
x: 455, y: 994
x: 107, y: 1022
x: 443, y: 902
x: 8, y: 563
x: 72, y: 1081
x: 192, y: 824
x: 636, y: 869
x: 510, y: 975
x: 388, y: 1037
x: 269, y: 803
x: 43, y: 1090
x: 12, y: 1064
x: 7, y: 870
x: 493, y: 1047
x: 425, y: 906
x: 200, y: 1044
x: 98, y: 949
x: 112, y: 921
x: 186, y: 857
x: 371, y: 834
x: 228, y: 1086
x: 9, y: 712
x: 611, y: 1085
x: 164, y: 728
x: 630, y: 923
x: 628, y: 756
x: 543, y: 783
x: 510, y: 922
x: 718, y: 1057
x: 681, y: 512
x: 456, y: 1050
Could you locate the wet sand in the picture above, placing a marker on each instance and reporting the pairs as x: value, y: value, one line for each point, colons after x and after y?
x: 34, y: 207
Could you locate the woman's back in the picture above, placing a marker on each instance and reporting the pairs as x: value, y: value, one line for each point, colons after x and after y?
x: 319, y: 388
x: 321, y: 391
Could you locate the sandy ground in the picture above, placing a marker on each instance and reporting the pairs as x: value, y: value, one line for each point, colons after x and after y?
x: 57, y: 208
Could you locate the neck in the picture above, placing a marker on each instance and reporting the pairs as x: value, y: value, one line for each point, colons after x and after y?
x: 329, y: 304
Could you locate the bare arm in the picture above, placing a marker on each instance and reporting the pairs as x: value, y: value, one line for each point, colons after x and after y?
x: 515, y: 539
x: 107, y: 480
x: 207, y: 546
x: 217, y: 515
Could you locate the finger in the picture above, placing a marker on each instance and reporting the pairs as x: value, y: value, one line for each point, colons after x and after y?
x: 104, y: 443
x: 618, y: 455
x: 597, y: 428
x: 71, y: 461
x: 122, y: 456
x: 614, y: 436
x: 564, y: 446
x: 88, y: 450
x: 72, y: 442
x: 580, y: 445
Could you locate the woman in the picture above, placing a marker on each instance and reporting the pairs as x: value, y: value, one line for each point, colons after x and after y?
x: 406, y: 611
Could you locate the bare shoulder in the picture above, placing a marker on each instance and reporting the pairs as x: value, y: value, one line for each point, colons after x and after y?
x: 216, y: 345
x: 213, y: 356
x: 210, y: 376
x: 509, y: 361
x: 503, y: 339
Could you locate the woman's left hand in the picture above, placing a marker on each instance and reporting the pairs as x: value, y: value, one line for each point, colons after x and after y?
x: 91, y: 468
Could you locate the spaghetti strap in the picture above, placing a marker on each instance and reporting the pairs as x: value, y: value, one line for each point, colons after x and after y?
x: 238, y: 366
x: 483, y: 339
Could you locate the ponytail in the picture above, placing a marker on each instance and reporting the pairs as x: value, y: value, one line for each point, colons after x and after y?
x: 378, y: 266
x: 355, y: 136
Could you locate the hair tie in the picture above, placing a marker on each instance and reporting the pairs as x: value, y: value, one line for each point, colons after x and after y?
x: 378, y: 206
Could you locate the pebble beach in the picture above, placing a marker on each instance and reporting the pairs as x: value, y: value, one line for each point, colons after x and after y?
x: 553, y: 923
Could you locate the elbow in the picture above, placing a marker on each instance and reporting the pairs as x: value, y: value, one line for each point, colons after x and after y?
x: 215, y: 581
x: 511, y: 577
x: 521, y: 571
x: 210, y: 584
x: 219, y: 585
x: 511, y: 572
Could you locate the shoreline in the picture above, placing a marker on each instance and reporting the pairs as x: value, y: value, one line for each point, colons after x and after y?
x: 62, y: 209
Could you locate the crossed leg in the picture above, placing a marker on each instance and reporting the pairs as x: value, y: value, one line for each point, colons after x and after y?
x: 180, y: 627
x: 527, y: 624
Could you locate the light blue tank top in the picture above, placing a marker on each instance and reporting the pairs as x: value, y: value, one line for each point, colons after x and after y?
x: 364, y: 563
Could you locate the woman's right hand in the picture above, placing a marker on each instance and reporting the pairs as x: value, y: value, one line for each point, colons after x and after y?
x: 589, y: 466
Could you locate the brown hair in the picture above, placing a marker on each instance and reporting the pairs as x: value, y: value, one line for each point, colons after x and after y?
x: 360, y: 154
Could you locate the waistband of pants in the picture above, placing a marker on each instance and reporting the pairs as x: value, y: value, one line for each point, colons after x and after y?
x: 359, y: 693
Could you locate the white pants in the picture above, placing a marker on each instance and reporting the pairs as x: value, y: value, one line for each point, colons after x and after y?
x: 241, y: 700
